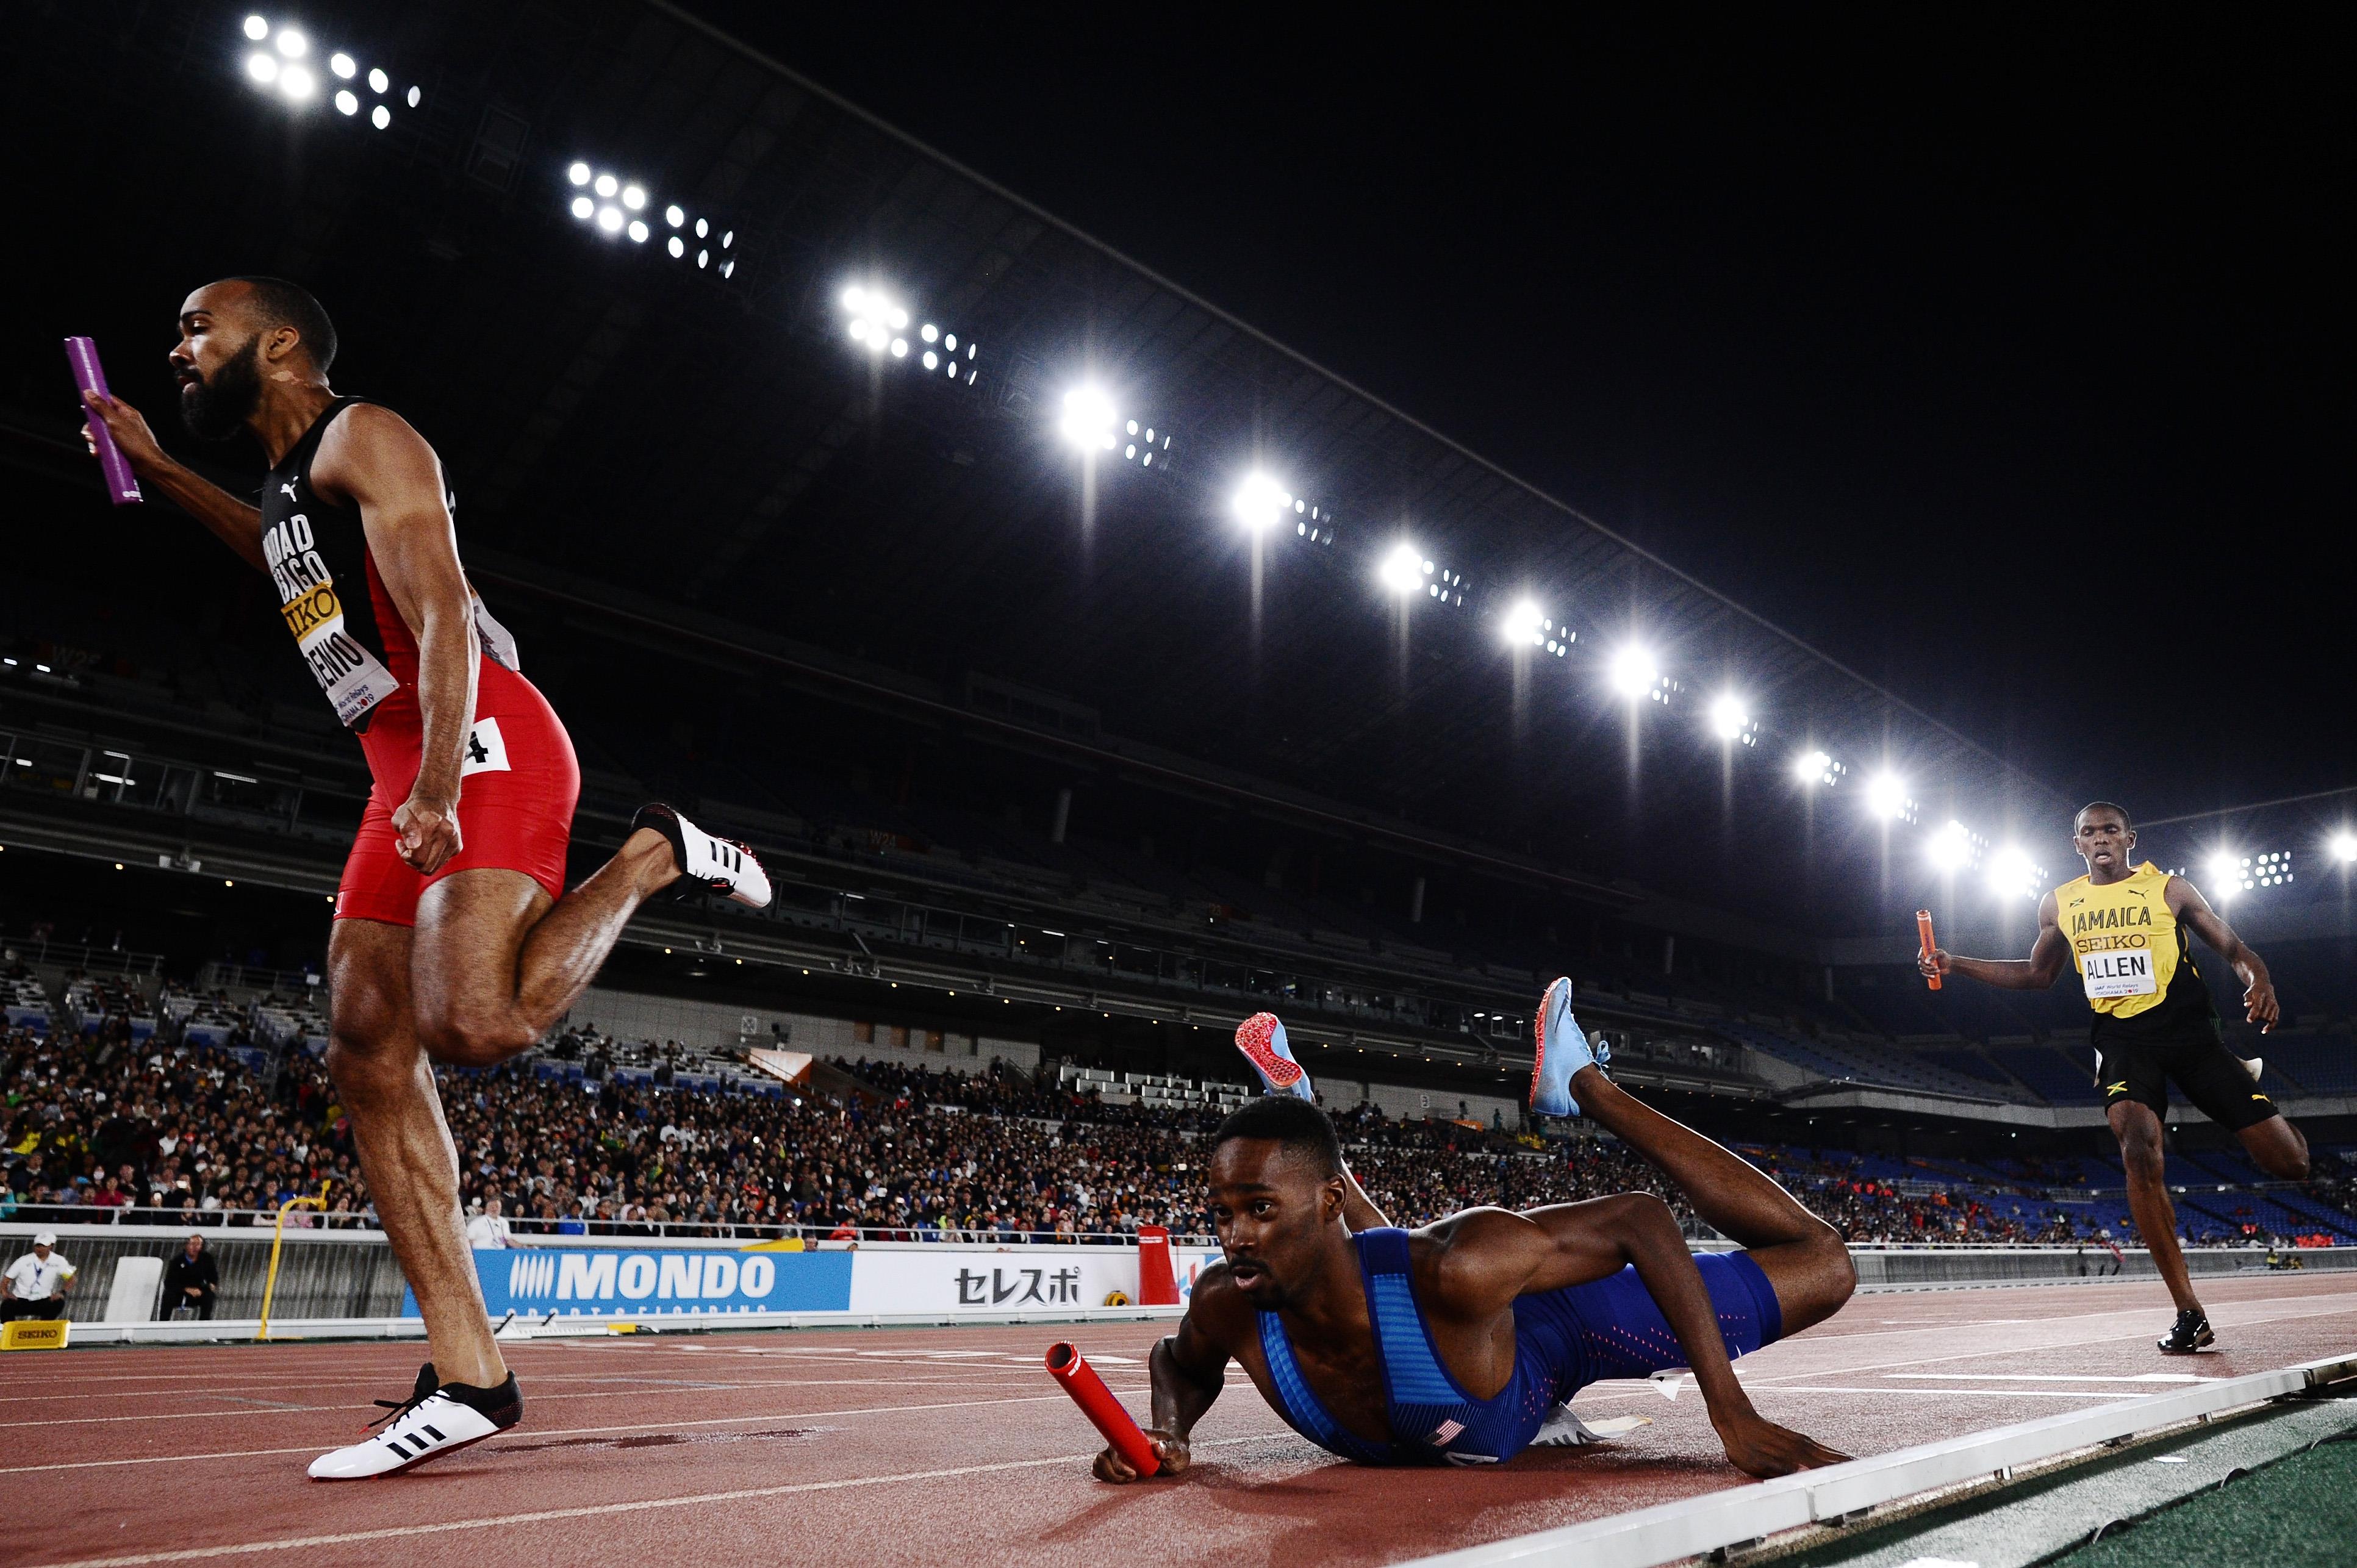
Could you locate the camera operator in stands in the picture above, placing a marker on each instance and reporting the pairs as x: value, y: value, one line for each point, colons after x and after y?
x: 38, y: 1283
x: 191, y: 1280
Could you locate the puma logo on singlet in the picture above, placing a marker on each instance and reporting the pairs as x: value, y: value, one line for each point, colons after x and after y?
x: 287, y: 488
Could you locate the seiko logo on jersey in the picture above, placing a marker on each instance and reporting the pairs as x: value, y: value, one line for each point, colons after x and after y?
x: 349, y: 674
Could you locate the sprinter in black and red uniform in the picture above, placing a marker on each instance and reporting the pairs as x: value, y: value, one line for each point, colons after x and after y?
x: 455, y: 938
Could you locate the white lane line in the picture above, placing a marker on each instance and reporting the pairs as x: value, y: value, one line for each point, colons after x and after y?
x: 2056, y: 1377
x: 597, y: 1510
x: 2088, y: 1395
x: 566, y: 1431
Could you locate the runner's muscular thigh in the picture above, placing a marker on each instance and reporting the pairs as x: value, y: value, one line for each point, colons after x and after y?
x: 471, y: 927
x: 368, y: 985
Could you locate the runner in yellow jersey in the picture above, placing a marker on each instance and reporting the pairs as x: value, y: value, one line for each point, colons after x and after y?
x: 2127, y: 930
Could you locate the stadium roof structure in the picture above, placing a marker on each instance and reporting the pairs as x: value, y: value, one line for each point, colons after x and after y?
x: 723, y: 447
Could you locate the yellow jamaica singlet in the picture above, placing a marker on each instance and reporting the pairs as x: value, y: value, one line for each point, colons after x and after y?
x: 2134, y: 959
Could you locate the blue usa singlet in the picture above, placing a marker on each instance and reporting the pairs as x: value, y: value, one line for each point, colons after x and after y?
x: 1564, y: 1340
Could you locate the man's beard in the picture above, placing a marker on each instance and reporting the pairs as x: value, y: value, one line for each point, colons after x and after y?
x: 215, y: 408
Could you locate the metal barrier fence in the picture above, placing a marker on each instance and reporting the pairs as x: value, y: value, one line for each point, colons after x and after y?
x: 333, y: 1273
x: 353, y: 1275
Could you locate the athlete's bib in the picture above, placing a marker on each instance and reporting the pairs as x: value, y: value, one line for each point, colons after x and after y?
x: 353, y: 679
x: 2122, y: 972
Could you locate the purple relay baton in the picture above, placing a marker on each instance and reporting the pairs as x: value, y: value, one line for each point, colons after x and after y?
x: 122, y: 486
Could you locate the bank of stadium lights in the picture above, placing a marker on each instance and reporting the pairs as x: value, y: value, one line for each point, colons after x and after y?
x: 1731, y: 721
x: 1633, y: 674
x: 1529, y: 625
x: 1953, y: 847
x: 616, y: 206
x: 2342, y: 848
x: 281, y: 64
x: 2230, y: 873
x: 1886, y: 797
x: 2013, y: 874
x: 882, y: 324
x: 1813, y: 767
x: 1261, y: 504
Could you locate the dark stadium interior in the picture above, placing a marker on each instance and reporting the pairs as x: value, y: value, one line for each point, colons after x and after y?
x: 1139, y: 521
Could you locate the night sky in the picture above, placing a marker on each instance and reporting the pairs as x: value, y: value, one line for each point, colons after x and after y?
x: 2010, y: 368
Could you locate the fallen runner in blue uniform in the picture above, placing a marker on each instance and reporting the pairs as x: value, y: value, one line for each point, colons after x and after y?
x: 1461, y: 1343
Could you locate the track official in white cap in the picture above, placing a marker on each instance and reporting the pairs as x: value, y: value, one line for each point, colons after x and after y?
x: 37, y: 1283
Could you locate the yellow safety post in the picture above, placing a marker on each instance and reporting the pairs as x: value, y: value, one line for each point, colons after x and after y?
x: 277, y: 1239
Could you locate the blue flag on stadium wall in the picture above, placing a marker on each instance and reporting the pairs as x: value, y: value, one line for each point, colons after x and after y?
x: 613, y: 1281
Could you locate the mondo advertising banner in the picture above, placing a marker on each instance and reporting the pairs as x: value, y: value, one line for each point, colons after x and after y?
x: 615, y: 1282
x: 610, y: 1282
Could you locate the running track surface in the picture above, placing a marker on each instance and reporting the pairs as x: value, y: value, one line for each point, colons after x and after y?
x: 950, y: 1445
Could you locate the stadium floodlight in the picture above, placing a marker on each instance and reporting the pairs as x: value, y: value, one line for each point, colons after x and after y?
x: 263, y: 67
x: 1088, y: 419
x: 293, y: 44
x: 607, y: 186
x: 579, y: 174
x: 638, y: 231
x: 343, y: 65
x: 345, y: 103
x: 1526, y: 624
x: 1728, y: 718
x: 1632, y: 672
x: 2225, y: 873
x: 675, y: 215
x: 297, y: 82
x: 257, y: 28
x: 676, y: 246
x: 1886, y: 797
x: 380, y: 117
x: 609, y: 219
x: 379, y: 83
x: 2342, y: 846
x: 1813, y: 767
x: 634, y: 196
x: 2011, y: 873
x: 2272, y: 869
x: 1950, y: 848
x: 1258, y: 502
x: 1403, y: 569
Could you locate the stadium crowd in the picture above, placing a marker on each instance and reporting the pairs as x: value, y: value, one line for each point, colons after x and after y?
x: 191, y: 1134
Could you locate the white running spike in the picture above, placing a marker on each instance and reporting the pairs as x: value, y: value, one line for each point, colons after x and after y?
x: 730, y: 869
x: 435, y: 1426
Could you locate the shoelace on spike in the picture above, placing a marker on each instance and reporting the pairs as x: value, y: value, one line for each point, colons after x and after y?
x: 395, y: 1409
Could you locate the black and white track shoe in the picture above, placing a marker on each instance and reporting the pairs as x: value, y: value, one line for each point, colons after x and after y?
x: 436, y: 1419
x: 722, y: 864
x: 2190, y: 1333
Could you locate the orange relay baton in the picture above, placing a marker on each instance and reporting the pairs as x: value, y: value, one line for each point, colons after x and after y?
x: 1923, y: 930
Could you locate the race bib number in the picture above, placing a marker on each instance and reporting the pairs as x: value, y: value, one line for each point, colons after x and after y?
x: 487, y: 749
x: 352, y: 678
x: 2118, y: 971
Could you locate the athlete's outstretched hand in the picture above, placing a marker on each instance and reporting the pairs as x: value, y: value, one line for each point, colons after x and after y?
x: 1758, y: 1446
x: 1171, y: 1451
x: 2259, y: 1005
x: 426, y: 832
x: 128, y: 427
x: 1933, y: 965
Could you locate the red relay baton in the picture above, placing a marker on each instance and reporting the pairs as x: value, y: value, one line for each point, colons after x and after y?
x: 1923, y: 929
x: 1096, y: 1402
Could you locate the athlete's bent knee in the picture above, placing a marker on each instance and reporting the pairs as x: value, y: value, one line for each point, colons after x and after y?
x: 475, y: 1037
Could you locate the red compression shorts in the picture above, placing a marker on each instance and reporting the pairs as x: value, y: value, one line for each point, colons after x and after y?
x: 517, y: 786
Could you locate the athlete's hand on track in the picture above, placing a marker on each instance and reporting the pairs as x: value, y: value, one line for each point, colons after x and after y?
x: 425, y: 833
x: 1171, y: 1451
x: 128, y: 427
x: 1758, y: 1446
x: 1931, y: 965
x: 2260, y: 1007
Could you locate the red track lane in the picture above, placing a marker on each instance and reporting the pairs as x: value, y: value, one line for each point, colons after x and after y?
x: 936, y: 1446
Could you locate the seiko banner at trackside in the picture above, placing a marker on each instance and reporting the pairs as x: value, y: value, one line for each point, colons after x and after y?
x: 613, y: 1281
